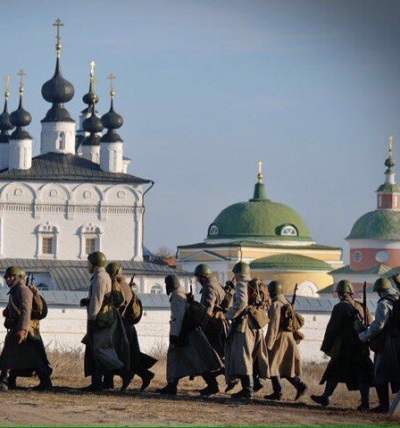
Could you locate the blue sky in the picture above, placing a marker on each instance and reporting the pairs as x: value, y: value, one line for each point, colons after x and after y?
x: 209, y: 88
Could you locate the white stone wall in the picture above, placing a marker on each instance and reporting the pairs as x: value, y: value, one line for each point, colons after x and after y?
x: 69, y: 212
x: 20, y: 154
x: 57, y: 137
x: 65, y: 326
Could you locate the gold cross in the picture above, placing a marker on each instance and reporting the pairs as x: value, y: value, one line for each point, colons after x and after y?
x: 112, y: 77
x: 21, y: 75
x: 390, y: 144
x: 58, y: 24
x: 92, y: 66
x: 7, y: 79
x: 259, y: 167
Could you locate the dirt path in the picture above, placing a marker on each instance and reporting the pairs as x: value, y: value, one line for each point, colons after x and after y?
x: 72, y: 407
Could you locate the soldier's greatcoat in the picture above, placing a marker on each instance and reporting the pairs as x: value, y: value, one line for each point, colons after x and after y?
x: 30, y: 354
x: 212, y: 296
x: 138, y: 360
x: 350, y: 362
x: 195, y: 355
x: 387, y: 361
x: 245, y: 349
x: 283, y: 353
x: 108, y: 345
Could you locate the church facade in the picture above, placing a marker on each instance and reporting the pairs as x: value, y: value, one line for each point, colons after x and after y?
x: 75, y: 197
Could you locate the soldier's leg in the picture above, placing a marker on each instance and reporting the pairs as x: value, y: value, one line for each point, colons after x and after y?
x: 364, y: 392
x: 44, y: 378
x: 325, y: 398
x: 247, y: 387
x: 3, y: 380
x: 170, y: 389
x: 383, y: 395
x: 147, y: 376
x: 277, y: 387
x: 212, y: 384
x: 108, y: 381
x: 300, y: 386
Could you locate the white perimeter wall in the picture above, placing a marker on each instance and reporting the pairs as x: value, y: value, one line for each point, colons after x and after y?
x: 65, y: 326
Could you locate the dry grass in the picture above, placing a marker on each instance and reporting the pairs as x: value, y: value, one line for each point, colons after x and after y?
x: 67, y: 405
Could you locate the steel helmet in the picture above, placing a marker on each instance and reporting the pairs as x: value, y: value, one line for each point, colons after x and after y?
x: 241, y: 268
x: 97, y: 258
x: 14, y: 271
x: 275, y: 287
x: 114, y: 269
x: 202, y: 270
x: 344, y: 286
x: 382, y: 284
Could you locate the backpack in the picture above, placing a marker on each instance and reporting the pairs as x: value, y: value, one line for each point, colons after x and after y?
x: 290, y: 319
x: 134, y: 309
x: 39, y: 305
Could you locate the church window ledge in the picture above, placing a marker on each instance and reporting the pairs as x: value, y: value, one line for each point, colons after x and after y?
x: 156, y: 289
x: 47, y: 241
x: 90, y: 237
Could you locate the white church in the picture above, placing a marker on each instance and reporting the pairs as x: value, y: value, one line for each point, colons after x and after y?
x: 75, y: 197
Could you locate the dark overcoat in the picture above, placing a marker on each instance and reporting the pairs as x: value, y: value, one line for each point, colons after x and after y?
x: 350, y: 362
x: 139, y: 361
x: 212, y: 295
x: 30, y: 354
x: 194, y: 355
x: 386, y: 361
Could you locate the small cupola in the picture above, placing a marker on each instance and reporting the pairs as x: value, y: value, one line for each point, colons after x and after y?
x: 111, y: 144
x: 389, y: 193
x: 20, y: 146
x: 5, y: 127
x: 58, y: 128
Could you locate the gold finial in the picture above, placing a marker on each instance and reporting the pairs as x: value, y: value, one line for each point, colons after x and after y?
x: 260, y: 176
x: 58, y: 24
x: 92, y: 66
x: 112, y: 77
x: 7, y: 92
x: 21, y: 75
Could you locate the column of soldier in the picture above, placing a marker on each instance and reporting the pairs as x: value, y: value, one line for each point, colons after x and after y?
x: 223, y: 334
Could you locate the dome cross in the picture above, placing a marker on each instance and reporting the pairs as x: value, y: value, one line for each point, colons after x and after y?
x: 7, y: 92
x: 112, y: 77
x: 58, y: 24
x: 21, y: 75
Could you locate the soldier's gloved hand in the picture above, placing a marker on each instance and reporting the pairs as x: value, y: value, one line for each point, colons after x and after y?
x: 84, y: 302
x: 20, y: 336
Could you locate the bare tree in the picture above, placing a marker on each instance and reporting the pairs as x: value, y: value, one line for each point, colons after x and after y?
x: 164, y: 252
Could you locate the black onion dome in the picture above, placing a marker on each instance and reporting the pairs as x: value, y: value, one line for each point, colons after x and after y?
x: 5, y: 124
x: 20, y: 117
x: 57, y: 89
x: 57, y: 113
x: 112, y: 120
x: 90, y: 97
x: 93, y: 123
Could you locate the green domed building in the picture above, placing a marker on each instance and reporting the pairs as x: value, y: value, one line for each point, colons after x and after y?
x: 375, y: 237
x: 272, y: 237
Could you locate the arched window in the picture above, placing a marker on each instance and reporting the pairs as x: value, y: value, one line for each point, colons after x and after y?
x: 288, y: 230
x: 156, y: 289
x: 61, y: 141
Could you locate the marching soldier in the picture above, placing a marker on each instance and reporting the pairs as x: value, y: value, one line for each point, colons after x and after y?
x: 212, y: 297
x: 283, y: 353
x: 140, y: 363
x: 189, y: 352
x: 245, y: 350
x: 107, y: 348
x: 384, y: 338
x: 23, y: 351
x: 350, y: 362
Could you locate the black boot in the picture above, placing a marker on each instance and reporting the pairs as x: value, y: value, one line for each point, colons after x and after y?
x: 383, y: 395
x: 247, y: 390
x: 147, y: 377
x: 44, y: 385
x: 169, y: 389
x: 277, y: 387
x: 212, y: 385
x: 323, y: 400
x: 258, y: 385
x: 126, y: 376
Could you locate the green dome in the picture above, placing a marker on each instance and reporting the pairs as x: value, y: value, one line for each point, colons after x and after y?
x: 378, y: 224
x: 259, y: 219
x: 290, y: 261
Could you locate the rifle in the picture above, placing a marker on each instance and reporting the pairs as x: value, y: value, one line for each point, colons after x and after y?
x: 364, y: 304
x: 132, y: 281
x: 294, y: 295
x: 30, y: 279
